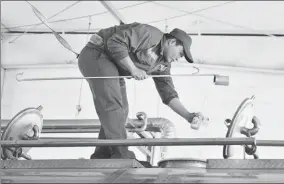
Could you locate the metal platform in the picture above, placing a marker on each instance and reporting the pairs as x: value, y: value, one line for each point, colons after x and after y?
x: 130, y: 171
x: 71, y: 164
x: 140, y: 175
x: 245, y: 164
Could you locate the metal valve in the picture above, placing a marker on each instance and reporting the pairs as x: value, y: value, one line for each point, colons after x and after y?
x: 35, y: 135
x: 136, y: 125
x: 251, y: 131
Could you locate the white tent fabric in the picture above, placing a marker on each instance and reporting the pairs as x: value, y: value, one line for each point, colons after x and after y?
x: 195, y: 17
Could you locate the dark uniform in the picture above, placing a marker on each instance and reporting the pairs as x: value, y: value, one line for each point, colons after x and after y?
x: 143, y: 44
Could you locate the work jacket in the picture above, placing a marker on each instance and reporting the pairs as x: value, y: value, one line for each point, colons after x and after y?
x: 144, y: 45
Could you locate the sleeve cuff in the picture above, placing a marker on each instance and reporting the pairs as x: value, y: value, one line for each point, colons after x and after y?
x: 120, y: 56
x: 167, y: 100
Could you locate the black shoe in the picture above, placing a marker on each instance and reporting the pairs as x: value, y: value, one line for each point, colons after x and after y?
x: 125, y: 155
x: 101, y: 154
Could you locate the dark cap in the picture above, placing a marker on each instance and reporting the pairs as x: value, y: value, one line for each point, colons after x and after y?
x: 186, y: 41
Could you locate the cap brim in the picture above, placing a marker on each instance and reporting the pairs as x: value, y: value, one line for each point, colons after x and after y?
x: 188, y: 55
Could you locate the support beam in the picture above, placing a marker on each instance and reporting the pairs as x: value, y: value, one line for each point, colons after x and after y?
x: 3, y: 74
x: 72, y: 164
x: 82, y: 126
x: 189, y: 33
x: 113, y: 11
x: 86, y: 142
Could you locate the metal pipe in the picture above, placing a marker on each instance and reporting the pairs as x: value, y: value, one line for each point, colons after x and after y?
x: 69, y: 131
x: 93, y: 125
x: 113, y: 11
x: 270, y: 143
x: 130, y: 142
x: 167, y: 130
x: 144, y: 150
x: 108, y: 77
x: 188, y: 33
x: 217, y: 79
x: 162, y: 125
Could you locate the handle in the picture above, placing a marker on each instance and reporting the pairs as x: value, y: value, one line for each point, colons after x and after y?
x: 251, y: 131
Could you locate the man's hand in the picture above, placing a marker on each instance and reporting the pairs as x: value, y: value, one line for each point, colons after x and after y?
x: 127, y: 64
x: 139, y: 74
x: 197, y: 119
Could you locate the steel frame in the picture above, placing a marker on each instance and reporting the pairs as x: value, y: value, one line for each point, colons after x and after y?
x: 113, y: 11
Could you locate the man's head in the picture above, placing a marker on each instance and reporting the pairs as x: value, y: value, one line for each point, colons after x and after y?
x: 177, y: 45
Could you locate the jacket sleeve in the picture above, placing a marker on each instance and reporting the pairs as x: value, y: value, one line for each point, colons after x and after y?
x: 165, y: 86
x: 128, y: 38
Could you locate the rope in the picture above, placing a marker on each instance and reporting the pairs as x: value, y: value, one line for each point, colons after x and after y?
x: 42, y: 23
x: 134, y: 101
x: 186, y: 12
x: 81, y: 17
x: 78, y: 107
x: 209, y: 18
x: 205, y: 102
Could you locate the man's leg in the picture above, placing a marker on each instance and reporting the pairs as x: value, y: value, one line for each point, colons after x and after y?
x: 109, y: 105
x: 125, y: 106
x: 108, y: 100
x: 101, y: 152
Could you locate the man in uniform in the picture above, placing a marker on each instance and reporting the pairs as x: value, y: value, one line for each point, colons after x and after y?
x: 136, y: 50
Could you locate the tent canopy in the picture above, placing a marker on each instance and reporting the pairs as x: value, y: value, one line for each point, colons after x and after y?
x: 222, y: 20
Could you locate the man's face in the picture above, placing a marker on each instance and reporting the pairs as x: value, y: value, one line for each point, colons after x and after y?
x: 172, y: 51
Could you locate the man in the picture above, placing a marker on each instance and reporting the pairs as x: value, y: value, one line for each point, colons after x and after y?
x: 137, y: 50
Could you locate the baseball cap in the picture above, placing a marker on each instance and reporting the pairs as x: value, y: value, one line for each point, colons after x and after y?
x: 186, y: 41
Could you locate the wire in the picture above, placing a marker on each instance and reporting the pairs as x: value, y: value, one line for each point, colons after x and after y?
x: 134, y: 101
x: 4, y: 27
x: 78, y: 107
x: 187, y: 12
x: 81, y: 17
x: 209, y: 18
x: 197, y: 70
x: 66, y: 8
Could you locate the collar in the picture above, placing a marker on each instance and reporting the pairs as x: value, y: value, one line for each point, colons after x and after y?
x: 159, y: 48
x: 161, y: 45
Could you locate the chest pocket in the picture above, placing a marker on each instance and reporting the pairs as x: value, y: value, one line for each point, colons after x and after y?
x: 149, y: 60
x: 147, y: 57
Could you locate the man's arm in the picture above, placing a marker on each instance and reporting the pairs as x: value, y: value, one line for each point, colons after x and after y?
x: 176, y: 105
x: 127, y: 64
x: 169, y: 96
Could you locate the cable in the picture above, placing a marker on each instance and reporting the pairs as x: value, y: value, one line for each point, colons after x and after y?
x: 81, y: 17
x: 66, y: 8
x: 134, y: 101
x: 187, y: 12
x: 209, y: 18
x: 197, y: 70
x: 78, y: 107
x: 216, y: 20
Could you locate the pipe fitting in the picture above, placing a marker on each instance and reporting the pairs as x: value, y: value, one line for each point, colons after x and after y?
x: 221, y: 80
x: 251, y: 131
